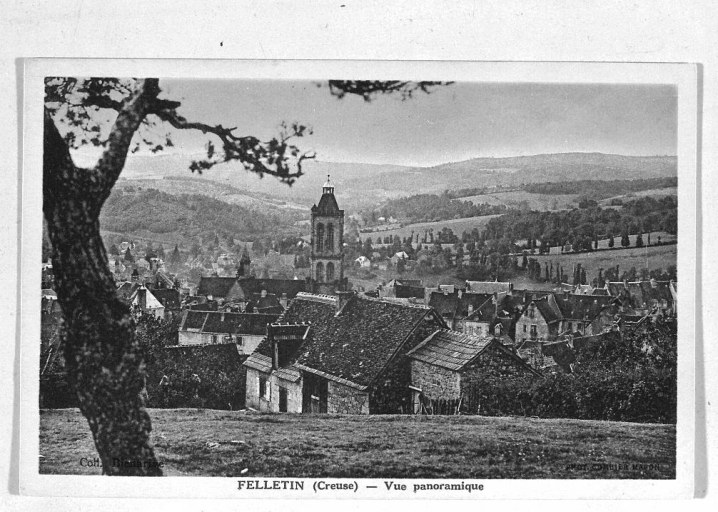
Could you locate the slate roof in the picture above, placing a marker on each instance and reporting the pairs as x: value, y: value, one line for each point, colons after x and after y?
x: 169, y: 298
x: 454, y: 350
x: 291, y: 287
x: 451, y: 305
x: 449, y: 349
x: 215, y: 286
x: 406, y: 291
x: 227, y: 323
x: 354, y: 345
x: 582, y: 307
x: 193, y: 319
x: 546, y: 309
x: 268, y: 304
x: 327, y: 206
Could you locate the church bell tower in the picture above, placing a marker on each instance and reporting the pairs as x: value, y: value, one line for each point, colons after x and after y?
x: 327, y: 252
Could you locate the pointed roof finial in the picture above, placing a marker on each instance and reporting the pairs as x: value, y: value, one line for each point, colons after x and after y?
x: 328, y: 187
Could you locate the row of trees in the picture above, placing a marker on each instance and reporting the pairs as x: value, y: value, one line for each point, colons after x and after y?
x: 632, y: 379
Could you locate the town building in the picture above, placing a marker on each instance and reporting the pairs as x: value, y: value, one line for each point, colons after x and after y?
x: 338, y: 354
x: 451, y: 371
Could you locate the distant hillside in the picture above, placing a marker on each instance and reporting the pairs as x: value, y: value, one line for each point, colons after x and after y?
x: 348, y: 178
x: 514, y: 171
x: 360, y: 185
x: 186, y: 217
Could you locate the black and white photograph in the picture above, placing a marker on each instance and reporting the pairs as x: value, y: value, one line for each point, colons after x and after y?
x: 411, y: 280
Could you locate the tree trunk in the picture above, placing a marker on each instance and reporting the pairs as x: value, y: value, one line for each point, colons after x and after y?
x: 103, y: 358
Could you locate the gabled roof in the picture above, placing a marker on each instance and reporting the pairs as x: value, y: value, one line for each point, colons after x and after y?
x: 449, y: 349
x: 216, y: 286
x: 169, y: 298
x: 354, y: 345
x: 454, y: 350
x: 145, y: 299
x: 547, y: 310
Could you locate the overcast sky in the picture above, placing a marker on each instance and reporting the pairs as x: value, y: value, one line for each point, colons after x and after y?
x: 453, y: 123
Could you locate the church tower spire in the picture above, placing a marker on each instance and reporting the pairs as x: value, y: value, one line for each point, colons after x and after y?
x: 327, y: 250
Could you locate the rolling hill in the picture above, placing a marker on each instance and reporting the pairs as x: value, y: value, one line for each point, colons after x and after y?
x: 359, y: 185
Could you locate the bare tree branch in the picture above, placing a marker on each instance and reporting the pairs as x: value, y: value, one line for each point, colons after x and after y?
x: 274, y: 157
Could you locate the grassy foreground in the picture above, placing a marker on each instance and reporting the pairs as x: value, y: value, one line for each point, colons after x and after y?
x: 224, y: 443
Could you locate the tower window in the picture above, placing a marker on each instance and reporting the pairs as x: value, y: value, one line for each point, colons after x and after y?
x: 319, y: 272
x: 330, y: 272
x: 329, y: 244
x: 320, y: 237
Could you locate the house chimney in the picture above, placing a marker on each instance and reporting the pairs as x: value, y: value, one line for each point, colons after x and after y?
x: 342, y: 299
x: 263, y: 294
x: 221, y: 317
x: 283, y: 301
x: 654, y: 284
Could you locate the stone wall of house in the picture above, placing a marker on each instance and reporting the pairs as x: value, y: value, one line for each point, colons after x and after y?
x: 391, y: 394
x: 543, y: 331
x: 345, y: 400
x: 436, y: 383
x: 270, y: 401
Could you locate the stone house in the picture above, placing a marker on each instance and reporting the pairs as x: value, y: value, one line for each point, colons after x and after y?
x: 539, y: 320
x: 646, y: 296
x: 455, y: 307
x: 245, y: 330
x: 341, y: 354
x: 450, y: 371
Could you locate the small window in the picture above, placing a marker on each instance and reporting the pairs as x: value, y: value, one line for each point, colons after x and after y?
x: 239, y: 341
x: 570, y: 326
x: 533, y: 331
x: 262, y: 387
x: 214, y: 339
x: 525, y: 326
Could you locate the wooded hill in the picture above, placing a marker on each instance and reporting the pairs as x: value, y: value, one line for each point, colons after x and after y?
x: 191, y: 216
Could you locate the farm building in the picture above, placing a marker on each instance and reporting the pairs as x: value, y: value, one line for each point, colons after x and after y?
x: 338, y: 354
x: 452, y: 371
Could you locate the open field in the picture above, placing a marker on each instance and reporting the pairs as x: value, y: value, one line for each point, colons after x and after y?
x: 375, y: 446
x: 456, y: 225
x: 654, y: 192
x: 518, y: 198
x: 654, y: 257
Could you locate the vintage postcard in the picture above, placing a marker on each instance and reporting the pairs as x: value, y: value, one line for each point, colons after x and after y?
x: 385, y: 280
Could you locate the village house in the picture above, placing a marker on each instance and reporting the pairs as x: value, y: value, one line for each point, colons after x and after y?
x: 144, y: 300
x: 338, y: 354
x: 455, y: 307
x: 450, y: 371
x: 545, y: 318
x: 245, y: 330
x: 645, y: 296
